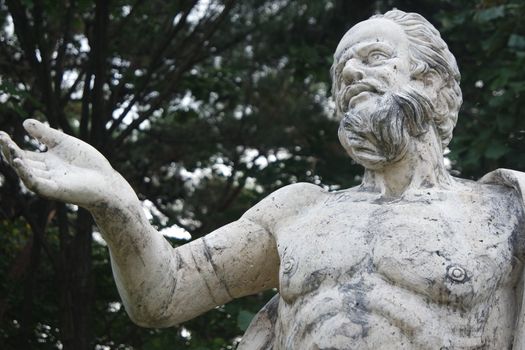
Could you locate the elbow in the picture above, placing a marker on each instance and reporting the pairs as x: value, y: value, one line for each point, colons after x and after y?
x: 160, y: 315
x: 149, y: 317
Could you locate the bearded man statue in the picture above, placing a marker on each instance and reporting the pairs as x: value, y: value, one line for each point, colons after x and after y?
x: 412, y: 258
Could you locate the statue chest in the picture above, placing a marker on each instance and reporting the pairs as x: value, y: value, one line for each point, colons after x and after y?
x: 452, y: 251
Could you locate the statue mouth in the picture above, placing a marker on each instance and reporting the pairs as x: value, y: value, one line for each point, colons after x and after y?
x: 354, y: 93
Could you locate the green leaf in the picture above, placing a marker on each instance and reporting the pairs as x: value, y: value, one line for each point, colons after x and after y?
x: 505, y: 123
x: 494, y: 43
x: 517, y: 86
x: 244, y: 318
x: 18, y: 110
x: 516, y: 41
x: 496, y: 150
x: 490, y: 13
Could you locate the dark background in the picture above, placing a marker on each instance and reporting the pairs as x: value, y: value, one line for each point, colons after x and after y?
x: 205, y: 107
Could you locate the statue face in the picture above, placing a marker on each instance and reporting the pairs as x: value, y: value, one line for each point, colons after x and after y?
x: 371, y: 60
x: 374, y: 86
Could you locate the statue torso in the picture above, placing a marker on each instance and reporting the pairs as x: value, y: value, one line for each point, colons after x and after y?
x: 437, y: 269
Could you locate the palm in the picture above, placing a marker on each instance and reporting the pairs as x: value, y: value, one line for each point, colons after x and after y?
x: 71, y: 170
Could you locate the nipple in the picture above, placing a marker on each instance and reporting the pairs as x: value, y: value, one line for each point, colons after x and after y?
x: 456, y: 273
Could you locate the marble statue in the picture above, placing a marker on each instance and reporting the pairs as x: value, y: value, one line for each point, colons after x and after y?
x: 413, y: 258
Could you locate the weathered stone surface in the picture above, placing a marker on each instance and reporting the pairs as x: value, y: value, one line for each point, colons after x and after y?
x: 410, y: 259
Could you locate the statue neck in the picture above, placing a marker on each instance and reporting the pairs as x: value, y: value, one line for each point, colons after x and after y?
x: 421, y: 168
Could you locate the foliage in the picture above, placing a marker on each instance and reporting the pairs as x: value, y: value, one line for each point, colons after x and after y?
x: 202, y: 105
x: 490, y: 133
x: 205, y: 107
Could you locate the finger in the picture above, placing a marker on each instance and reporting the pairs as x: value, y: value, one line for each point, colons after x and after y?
x: 25, y: 174
x: 36, y: 164
x: 35, y: 183
x: 9, y: 148
x: 43, y: 133
x: 41, y: 174
x: 4, y: 148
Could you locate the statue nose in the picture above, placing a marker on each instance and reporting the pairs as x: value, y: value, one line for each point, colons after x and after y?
x: 351, y: 72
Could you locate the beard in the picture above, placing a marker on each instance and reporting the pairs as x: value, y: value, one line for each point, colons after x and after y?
x: 380, y: 134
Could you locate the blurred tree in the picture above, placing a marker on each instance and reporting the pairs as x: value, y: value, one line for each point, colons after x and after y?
x: 205, y: 107
x: 488, y: 38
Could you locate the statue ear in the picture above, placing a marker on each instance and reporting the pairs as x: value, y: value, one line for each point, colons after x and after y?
x: 432, y: 80
x: 433, y: 85
x: 428, y: 77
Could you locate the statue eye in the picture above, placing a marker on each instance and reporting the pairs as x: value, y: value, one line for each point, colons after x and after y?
x: 377, y: 56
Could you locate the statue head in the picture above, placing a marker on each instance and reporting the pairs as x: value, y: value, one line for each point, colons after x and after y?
x: 393, y: 78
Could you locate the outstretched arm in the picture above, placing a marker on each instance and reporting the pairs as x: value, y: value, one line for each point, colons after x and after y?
x: 159, y: 285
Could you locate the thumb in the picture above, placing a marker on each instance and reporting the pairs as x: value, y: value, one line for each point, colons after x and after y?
x: 43, y: 133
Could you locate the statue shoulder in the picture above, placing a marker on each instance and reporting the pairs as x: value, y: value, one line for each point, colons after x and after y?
x: 506, y: 177
x: 511, y: 179
x: 284, y: 203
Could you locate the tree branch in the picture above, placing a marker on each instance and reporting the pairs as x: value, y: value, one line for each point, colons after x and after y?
x: 153, y: 66
x: 98, y: 59
x: 54, y: 115
x: 181, y: 68
x: 67, y: 95
x: 85, y: 109
x: 120, y: 26
x: 61, y: 52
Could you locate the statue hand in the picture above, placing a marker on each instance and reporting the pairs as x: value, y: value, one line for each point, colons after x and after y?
x: 71, y: 170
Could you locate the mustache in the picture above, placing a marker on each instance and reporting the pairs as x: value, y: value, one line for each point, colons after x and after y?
x: 347, y: 92
x: 409, y: 105
x: 386, y: 130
